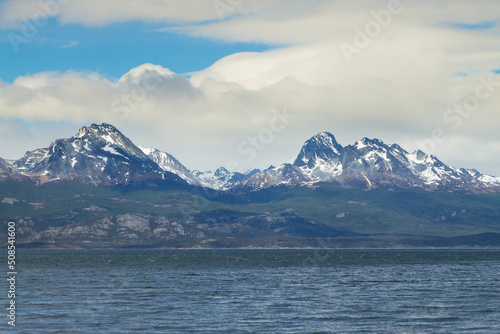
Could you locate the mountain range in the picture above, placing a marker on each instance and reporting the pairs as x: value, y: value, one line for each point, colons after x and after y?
x: 98, y: 189
x: 102, y: 155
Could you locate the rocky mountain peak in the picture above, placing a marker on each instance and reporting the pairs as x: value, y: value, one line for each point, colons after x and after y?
x: 96, y: 154
x: 106, y: 133
x: 221, y: 172
x: 97, y: 130
x: 322, y: 146
x: 367, y: 143
x: 419, y: 155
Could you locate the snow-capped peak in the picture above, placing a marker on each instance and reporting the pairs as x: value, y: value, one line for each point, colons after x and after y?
x: 418, y: 155
x: 101, y: 130
x: 221, y: 172
x: 96, y: 154
x: 326, y: 140
x: 104, y: 135
x: 372, y: 143
x: 322, y: 146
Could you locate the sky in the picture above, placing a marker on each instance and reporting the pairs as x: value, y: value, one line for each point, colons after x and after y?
x: 243, y: 84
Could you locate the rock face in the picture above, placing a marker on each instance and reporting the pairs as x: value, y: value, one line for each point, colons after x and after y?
x: 7, y: 171
x: 146, y: 229
x: 322, y: 147
x: 8, y: 200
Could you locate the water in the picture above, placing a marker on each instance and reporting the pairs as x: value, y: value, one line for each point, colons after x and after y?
x: 259, y: 291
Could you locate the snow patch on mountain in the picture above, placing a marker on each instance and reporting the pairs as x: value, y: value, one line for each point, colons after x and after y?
x: 170, y: 164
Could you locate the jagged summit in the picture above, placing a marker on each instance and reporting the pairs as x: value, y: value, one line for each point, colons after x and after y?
x: 104, y: 132
x: 371, y: 143
x: 221, y: 172
x: 7, y: 171
x: 370, y: 163
x: 96, y: 129
x: 321, y: 146
x: 98, y: 154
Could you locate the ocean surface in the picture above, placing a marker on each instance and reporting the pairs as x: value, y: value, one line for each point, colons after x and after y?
x: 258, y: 291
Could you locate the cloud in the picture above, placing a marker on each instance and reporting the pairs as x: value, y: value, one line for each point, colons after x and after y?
x: 203, y: 122
x: 94, y: 13
x: 397, y: 83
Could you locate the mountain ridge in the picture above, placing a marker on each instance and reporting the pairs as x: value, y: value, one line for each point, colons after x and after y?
x: 101, y: 154
x: 98, y: 154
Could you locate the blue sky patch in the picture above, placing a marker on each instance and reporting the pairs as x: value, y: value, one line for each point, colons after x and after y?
x: 112, y: 50
x: 474, y: 26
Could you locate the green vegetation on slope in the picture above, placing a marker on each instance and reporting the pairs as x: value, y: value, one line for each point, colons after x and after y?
x: 384, y: 211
